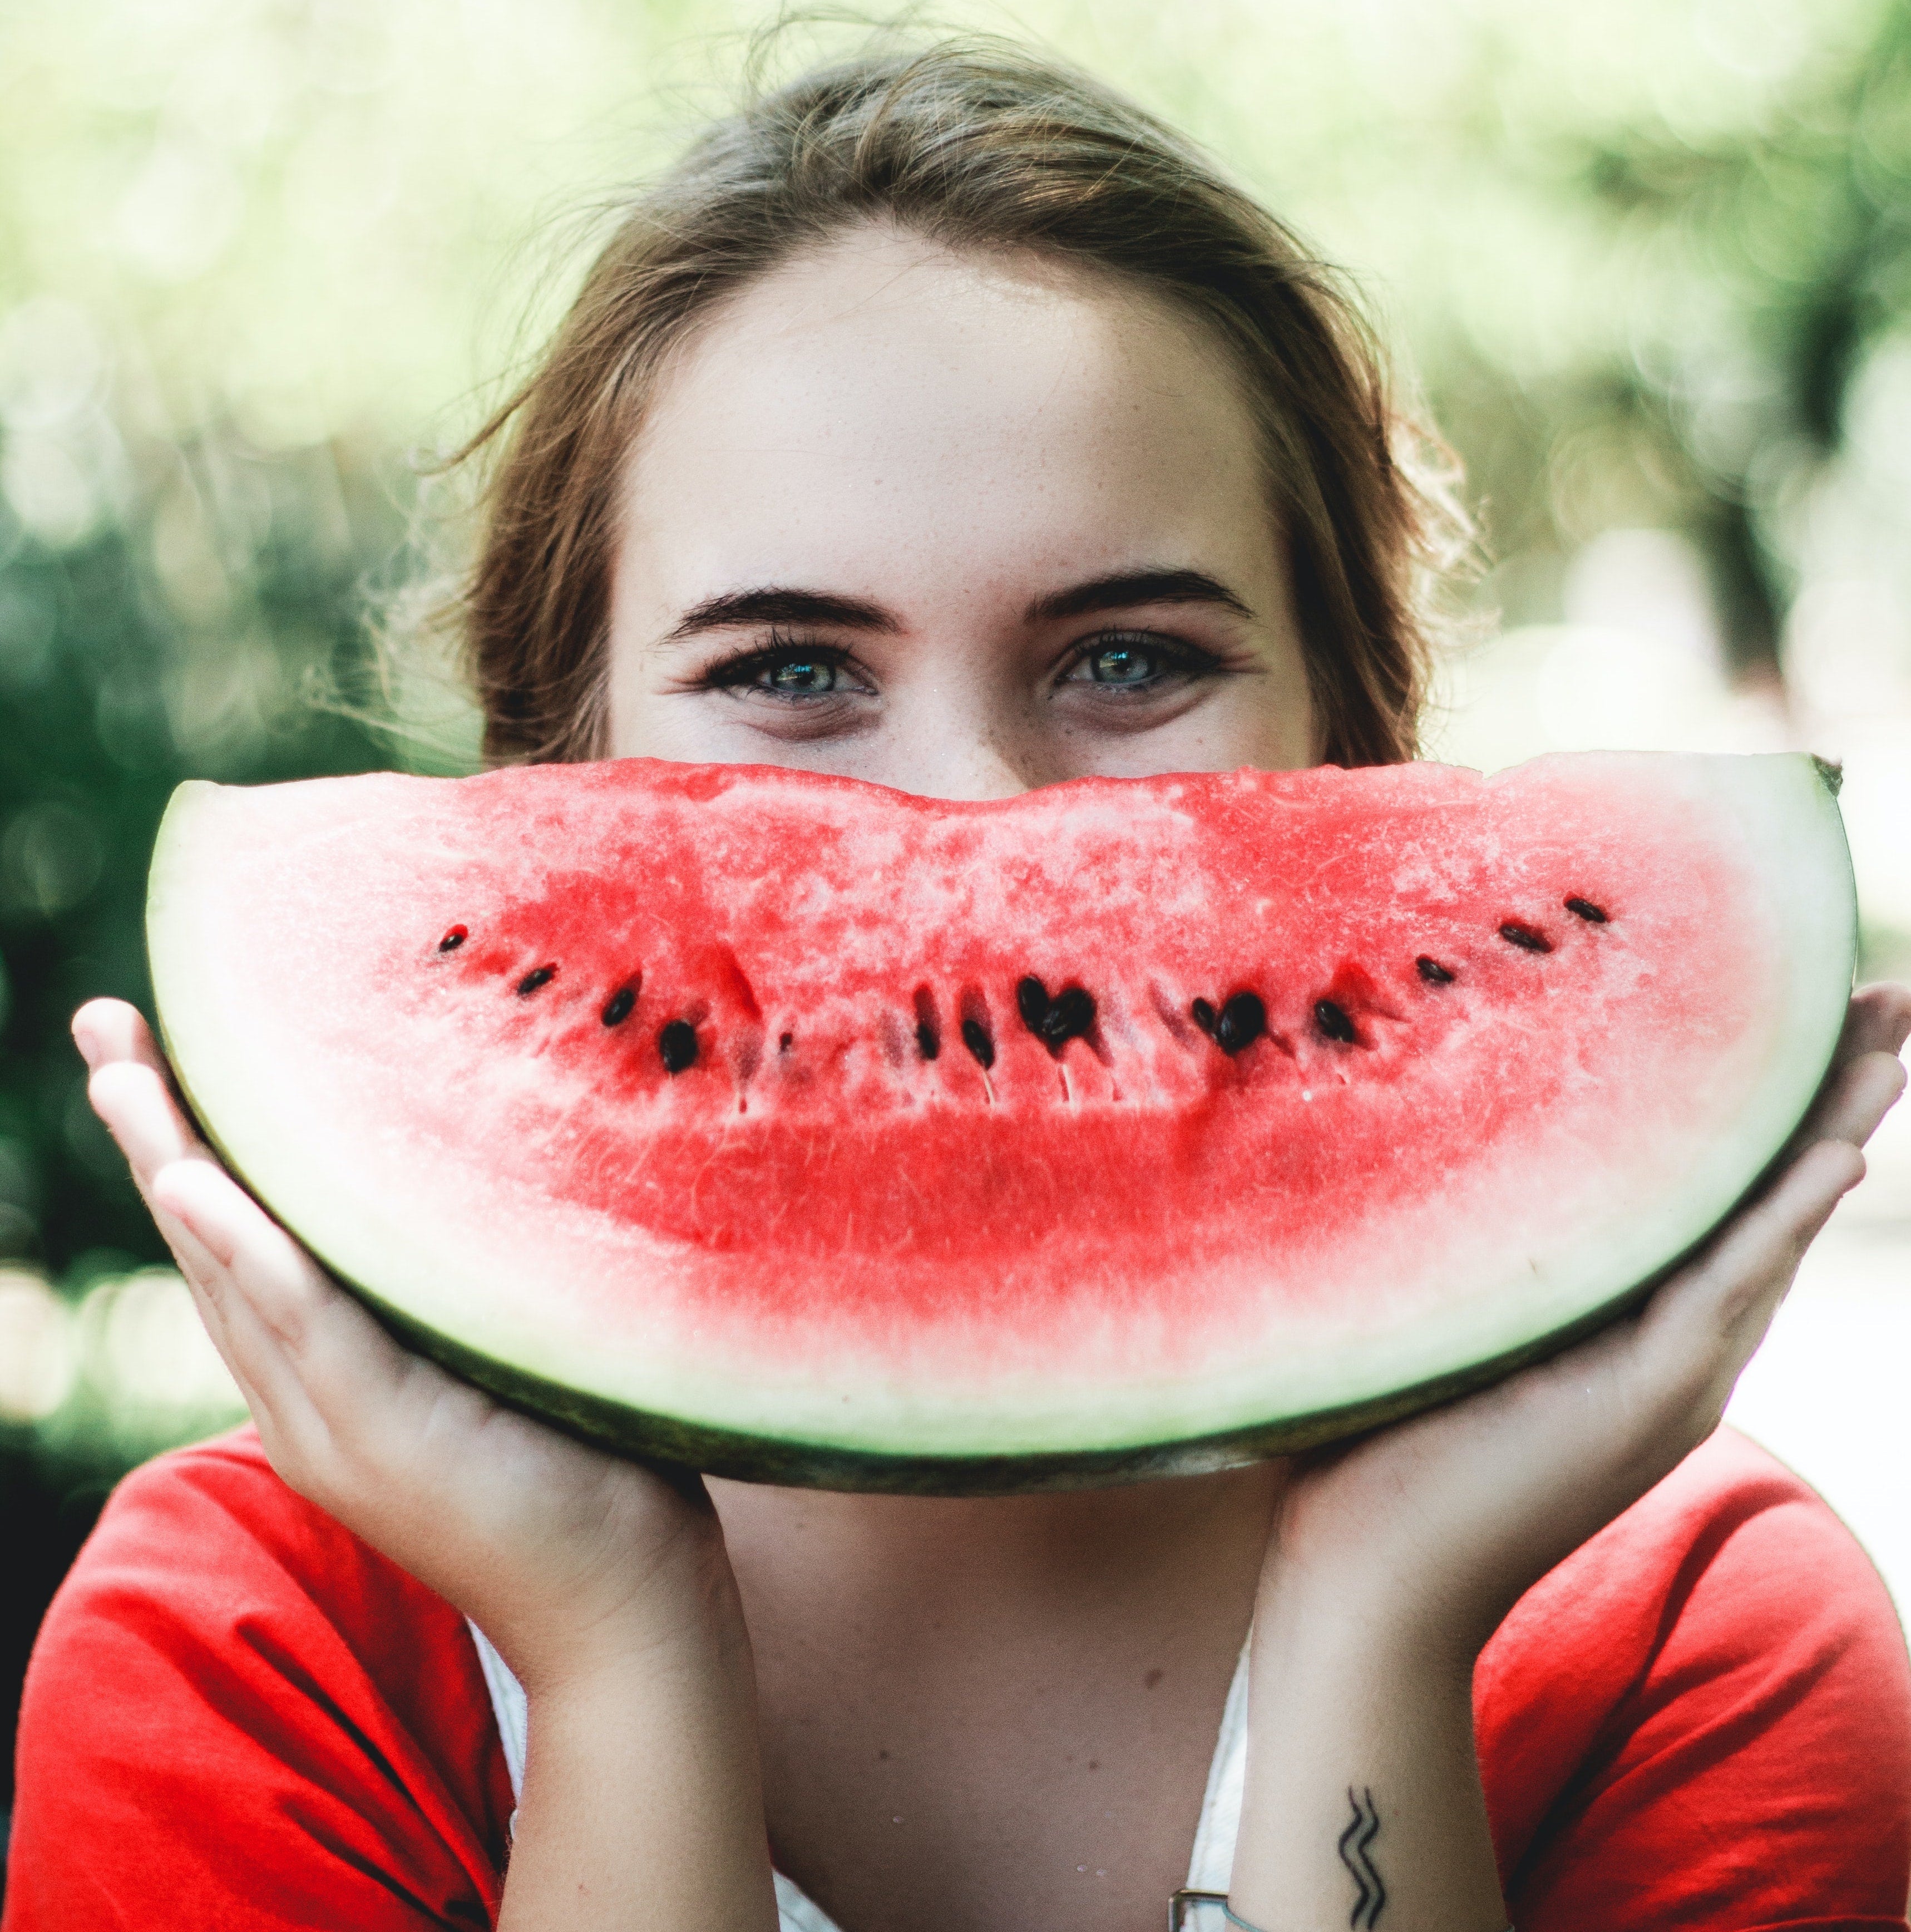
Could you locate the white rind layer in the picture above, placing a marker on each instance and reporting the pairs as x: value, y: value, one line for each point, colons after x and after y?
x: 466, y: 1284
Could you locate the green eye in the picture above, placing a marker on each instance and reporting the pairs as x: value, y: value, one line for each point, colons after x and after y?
x: 801, y: 677
x: 1122, y: 665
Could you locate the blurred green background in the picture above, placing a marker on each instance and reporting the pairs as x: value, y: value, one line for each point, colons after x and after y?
x: 1651, y: 260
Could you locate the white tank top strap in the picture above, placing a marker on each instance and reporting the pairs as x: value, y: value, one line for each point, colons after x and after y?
x: 1208, y: 1869
x: 508, y: 1707
x: 1211, y: 1866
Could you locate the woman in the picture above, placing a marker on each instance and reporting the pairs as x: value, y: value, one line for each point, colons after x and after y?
x: 943, y: 421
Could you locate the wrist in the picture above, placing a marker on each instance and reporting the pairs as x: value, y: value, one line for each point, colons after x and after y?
x: 1373, y: 1785
x: 1309, y: 1616
x: 643, y: 1794
x: 685, y: 1617
x: 681, y: 1679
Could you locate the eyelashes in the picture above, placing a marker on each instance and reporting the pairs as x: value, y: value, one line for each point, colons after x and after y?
x: 788, y: 670
x: 1115, y: 664
x: 1135, y: 663
x: 792, y: 690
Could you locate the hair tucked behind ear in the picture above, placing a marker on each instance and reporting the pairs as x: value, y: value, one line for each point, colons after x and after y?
x: 976, y: 145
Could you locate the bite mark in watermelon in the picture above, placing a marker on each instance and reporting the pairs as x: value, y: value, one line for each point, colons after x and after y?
x: 798, y: 1129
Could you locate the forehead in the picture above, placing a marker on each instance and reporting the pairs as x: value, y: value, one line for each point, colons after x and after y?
x: 881, y: 403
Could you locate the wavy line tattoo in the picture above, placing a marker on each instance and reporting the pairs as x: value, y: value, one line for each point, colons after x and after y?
x: 1362, y: 1829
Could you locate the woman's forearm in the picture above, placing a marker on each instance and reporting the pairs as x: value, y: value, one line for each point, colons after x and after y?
x: 1363, y: 1804
x: 642, y: 1806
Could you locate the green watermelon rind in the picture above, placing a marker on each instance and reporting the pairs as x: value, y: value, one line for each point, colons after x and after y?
x: 671, y: 1441
x: 653, y: 1435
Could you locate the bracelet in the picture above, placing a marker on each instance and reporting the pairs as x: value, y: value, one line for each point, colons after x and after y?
x: 1186, y: 1900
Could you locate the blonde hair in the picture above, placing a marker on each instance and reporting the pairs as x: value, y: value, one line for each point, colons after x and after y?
x: 975, y: 145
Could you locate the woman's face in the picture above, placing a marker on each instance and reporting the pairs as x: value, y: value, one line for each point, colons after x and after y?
x: 963, y: 525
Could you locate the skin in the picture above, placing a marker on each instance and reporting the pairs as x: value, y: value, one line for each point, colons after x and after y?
x: 949, y: 1715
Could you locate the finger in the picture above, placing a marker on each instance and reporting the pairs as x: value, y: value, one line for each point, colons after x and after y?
x: 1859, y: 1098
x: 201, y: 1272
x: 150, y: 1131
x: 105, y: 1030
x: 130, y: 1093
x: 1879, y: 1019
x: 1732, y: 1292
x: 110, y: 1033
x: 344, y: 1411
x: 210, y: 1213
x: 314, y: 1353
x: 211, y: 1300
x: 132, y: 1098
x: 280, y: 1280
x: 261, y: 1294
x: 254, y: 1288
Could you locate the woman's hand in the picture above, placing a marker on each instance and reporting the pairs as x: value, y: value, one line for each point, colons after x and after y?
x: 1393, y: 1561
x: 1454, y: 1515
x: 558, y: 1553
x: 607, y: 1589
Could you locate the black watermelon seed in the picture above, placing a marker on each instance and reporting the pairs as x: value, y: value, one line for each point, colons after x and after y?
x: 1203, y: 1014
x: 676, y: 1046
x: 1334, y: 1022
x: 1054, y: 1021
x: 1242, y: 1021
x: 976, y: 1037
x: 928, y: 1034
x: 1524, y: 938
x: 1585, y: 909
x: 618, y: 1009
x: 1032, y: 1001
x: 453, y: 940
x: 788, y: 1040
x: 539, y: 976
x: 1431, y: 969
x: 1071, y: 1015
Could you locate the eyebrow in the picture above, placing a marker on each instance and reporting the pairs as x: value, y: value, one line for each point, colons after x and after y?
x: 778, y: 604
x: 1123, y: 588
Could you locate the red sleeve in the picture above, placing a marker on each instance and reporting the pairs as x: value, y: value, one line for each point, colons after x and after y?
x: 1702, y: 1719
x: 237, y: 1715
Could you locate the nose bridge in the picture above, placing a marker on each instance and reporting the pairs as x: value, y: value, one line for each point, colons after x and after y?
x: 967, y: 737
x: 985, y: 768
x: 967, y: 768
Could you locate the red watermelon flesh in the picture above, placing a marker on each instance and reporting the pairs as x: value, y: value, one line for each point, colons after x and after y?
x: 802, y: 1128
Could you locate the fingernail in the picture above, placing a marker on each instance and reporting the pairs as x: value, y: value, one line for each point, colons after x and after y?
x: 88, y: 1044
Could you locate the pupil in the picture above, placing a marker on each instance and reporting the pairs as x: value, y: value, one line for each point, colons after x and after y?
x: 1121, y: 663
x: 804, y: 674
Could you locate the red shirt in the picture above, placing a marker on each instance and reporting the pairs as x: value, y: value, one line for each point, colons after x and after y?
x: 239, y: 1716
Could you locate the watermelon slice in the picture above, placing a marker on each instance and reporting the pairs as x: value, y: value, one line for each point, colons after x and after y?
x: 796, y: 1129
